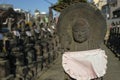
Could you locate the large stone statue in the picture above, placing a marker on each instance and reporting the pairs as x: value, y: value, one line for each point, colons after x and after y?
x: 81, y: 27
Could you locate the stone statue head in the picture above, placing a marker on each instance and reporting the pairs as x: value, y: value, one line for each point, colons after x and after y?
x: 80, y: 30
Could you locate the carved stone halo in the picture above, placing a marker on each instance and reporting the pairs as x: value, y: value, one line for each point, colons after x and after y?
x: 80, y: 30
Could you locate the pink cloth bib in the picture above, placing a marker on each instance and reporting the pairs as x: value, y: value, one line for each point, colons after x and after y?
x: 85, y: 65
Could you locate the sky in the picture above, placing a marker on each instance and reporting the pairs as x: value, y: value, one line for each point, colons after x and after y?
x: 31, y: 5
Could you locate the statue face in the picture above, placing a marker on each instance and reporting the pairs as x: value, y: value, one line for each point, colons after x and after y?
x: 80, y: 31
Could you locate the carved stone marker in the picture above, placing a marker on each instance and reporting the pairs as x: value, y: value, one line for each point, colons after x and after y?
x: 81, y: 27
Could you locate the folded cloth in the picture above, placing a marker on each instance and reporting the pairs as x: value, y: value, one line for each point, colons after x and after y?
x: 85, y: 65
x: 16, y: 33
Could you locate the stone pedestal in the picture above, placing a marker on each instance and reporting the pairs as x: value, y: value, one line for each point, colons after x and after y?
x: 4, y: 68
x: 22, y: 72
x: 10, y: 77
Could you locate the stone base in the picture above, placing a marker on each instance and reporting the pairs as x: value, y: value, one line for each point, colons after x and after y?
x: 10, y: 77
x: 4, y: 68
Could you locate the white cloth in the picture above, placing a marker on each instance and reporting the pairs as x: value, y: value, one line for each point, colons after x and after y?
x: 85, y: 65
x: 50, y: 30
x: 53, y: 27
x: 28, y: 33
x: 16, y: 33
x: 36, y: 30
x: 43, y: 29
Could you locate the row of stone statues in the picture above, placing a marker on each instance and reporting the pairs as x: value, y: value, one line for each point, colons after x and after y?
x: 27, y: 52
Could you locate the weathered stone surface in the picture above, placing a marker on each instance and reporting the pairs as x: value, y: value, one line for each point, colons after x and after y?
x: 38, y: 49
x: 4, y: 68
x: 10, y: 77
x: 81, y: 26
